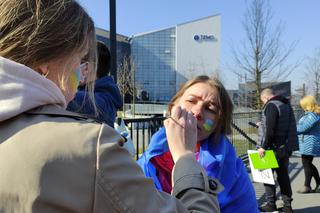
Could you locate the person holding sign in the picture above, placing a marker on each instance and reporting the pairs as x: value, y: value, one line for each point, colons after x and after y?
x: 277, y: 132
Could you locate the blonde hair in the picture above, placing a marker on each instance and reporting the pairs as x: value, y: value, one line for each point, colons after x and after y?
x: 225, y: 106
x: 309, y: 104
x: 33, y: 32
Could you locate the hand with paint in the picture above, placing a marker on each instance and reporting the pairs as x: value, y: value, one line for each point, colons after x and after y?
x: 181, y: 131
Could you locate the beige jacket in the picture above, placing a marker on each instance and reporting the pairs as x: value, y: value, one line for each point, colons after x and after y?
x: 52, y: 160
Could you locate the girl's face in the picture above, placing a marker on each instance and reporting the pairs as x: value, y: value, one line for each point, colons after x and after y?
x: 62, y: 70
x: 201, y: 100
x: 79, y: 77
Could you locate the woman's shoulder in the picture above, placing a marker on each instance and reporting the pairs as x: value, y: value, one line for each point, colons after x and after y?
x: 225, y: 145
x: 54, y: 129
x: 312, y: 116
x: 63, y: 122
x: 59, y: 129
x: 224, y: 139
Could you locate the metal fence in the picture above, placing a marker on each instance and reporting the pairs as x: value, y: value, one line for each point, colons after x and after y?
x: 243, y: 136
x: 141, y: 130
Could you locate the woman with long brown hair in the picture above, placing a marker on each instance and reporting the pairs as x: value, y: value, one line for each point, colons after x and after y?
x: 208, y: 101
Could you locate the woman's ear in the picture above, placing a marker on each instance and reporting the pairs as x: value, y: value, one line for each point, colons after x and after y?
x: 43, y: 69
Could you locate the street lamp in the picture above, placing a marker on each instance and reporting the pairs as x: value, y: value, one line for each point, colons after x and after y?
x: 113, y: 39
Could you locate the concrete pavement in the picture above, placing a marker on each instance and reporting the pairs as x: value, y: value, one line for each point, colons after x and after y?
x: 302, y: 203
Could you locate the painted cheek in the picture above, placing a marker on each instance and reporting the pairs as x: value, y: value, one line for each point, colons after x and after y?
x: 208, y: 124
x: 75, y: 79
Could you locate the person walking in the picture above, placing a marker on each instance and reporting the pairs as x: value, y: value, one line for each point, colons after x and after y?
x: 277, y: 132
x: 53, y: 160
x: 308, y: 129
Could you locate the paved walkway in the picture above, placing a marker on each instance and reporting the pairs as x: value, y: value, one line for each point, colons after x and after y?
x: 302, y: 203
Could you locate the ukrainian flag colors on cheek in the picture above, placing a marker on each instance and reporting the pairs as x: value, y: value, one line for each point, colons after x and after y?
x: 75, y: 79
x: 208, y: 124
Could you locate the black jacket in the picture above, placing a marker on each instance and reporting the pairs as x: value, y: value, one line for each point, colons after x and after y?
x: 279, y: 124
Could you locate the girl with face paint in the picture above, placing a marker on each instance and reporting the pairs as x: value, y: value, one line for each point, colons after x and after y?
x: 208, y: 102
x: 78, y: 78
x: 106, y: 92
x: 200, y: 99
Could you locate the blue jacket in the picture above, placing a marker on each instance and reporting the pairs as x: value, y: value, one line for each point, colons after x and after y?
x: 309, y: 134
x: 220, y: 161
x: 108, y: 100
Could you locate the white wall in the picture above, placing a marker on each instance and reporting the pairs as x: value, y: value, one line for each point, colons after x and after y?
x: 197, y: 57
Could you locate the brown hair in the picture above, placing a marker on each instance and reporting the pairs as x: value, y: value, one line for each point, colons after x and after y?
x: 33, y: 32
x: 225, y: 106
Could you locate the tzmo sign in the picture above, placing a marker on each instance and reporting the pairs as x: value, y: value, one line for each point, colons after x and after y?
x: 200, y: 38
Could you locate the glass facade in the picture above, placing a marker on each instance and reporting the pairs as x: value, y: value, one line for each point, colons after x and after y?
x: 154, y: 56
x: 164, y: 59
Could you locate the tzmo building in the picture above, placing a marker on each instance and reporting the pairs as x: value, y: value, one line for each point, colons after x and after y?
x: 166, y: 58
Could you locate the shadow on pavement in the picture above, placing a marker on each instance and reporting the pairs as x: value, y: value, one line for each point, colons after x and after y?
x: 294, y: 169
x: 315, y: 209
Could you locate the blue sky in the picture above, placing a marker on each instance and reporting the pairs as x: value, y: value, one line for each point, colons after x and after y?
x: 300, y: 18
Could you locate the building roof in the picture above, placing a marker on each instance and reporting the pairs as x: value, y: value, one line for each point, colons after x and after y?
x: 161, y: 29
x: 106, y: 33
x: 199, y: 19
x: 153, y: 31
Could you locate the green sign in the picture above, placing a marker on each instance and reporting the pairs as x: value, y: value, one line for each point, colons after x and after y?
x: 269, y: 160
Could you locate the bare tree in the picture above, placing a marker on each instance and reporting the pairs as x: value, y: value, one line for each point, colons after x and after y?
x: 218, y: 75
x: 191, y: 70
x: 126, y: 81
x: 199, y: 68
x: 262, y: 54
x: 313, y: 72
x: 299, y: 92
